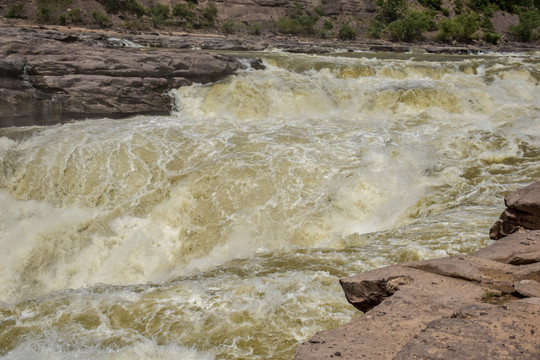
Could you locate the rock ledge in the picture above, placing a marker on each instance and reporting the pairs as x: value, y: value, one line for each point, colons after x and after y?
x: 480, y: 306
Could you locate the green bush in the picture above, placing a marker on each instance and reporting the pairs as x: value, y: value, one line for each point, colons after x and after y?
x: 298, y: 25
x: 102, y: 19
x: 433, y: 4
x: 15, y: 11
x: 525, y: 30
x: 391, y: 10
x: 44, y: 12
x: 209, y: 14
x: 411, y: 28
x: 136, y: 8
x: 445, y: 11
x: 491, y: 38
x: 346, y: 32
x: 478, y: 5
x: 462, y: 28
x: 257, y: 29
x: 319, y: 10
x: 184, y: 11
x: 62, y: 19
x: 75, y: 15
x: 160, y: 13
x: 375, y: 29
x: 458, y: 6
x: 228, y: 27
x: 111, y: 6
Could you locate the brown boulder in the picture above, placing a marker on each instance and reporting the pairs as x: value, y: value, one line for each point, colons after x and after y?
x: 522, y: 212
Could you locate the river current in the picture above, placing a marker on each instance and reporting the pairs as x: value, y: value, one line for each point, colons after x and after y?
x: 220, y: 232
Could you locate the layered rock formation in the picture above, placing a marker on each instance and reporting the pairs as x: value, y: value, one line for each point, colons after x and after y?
x: 48, y: 77
x: 480, y: 306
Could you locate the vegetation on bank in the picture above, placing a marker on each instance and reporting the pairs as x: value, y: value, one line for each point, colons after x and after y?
x: 461, y: 21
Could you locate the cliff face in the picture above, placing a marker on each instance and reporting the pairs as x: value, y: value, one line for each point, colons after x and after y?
x: 240, y: 10
x: 481, y: 306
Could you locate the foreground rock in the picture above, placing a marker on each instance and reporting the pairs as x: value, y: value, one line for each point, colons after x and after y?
x: 48, y: 77
x: 479, y: 306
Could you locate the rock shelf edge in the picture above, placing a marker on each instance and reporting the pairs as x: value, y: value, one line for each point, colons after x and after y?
x: 485, y: 305
x: 49, y: 77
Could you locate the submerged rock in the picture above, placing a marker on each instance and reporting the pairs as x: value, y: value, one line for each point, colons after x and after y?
x: 46, y: 79
x: 479, y: 306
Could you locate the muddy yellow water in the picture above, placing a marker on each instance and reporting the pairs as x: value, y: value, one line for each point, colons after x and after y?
x: 220, y: 232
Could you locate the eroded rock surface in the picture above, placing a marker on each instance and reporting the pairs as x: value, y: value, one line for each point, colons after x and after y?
x: 49, y: 77
x: 522, y: 212
x: 480, y: 306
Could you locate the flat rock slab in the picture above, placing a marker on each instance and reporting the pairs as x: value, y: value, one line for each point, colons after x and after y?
x: 519, y: 248
x: 480, y: 331
x: 459, y: 307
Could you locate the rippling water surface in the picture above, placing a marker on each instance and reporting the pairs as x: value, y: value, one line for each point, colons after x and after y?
x: 220, y: 232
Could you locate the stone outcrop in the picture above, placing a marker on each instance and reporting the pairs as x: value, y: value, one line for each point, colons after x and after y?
x: 48, y: 77
x: 522, y: 212
x: 480, y: 306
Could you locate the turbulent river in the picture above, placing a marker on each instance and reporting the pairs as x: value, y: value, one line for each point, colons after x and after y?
x: 220, y: 232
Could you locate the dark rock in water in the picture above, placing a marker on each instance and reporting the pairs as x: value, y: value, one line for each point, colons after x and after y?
x: 480, y: 306
x: 46, y: 78
x: 522, y: 212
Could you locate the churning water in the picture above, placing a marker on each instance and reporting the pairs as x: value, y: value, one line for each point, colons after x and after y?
x: 220, y: 232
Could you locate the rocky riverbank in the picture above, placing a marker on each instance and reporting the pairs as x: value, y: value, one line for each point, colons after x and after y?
x: 480, y: 306
x: 56, y: 74
x: 49, y: 76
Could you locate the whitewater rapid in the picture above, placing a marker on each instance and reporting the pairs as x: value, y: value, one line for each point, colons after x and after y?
x: 220, y: 232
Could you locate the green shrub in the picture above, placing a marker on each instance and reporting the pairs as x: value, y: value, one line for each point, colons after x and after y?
x: 111, y: 6
x: 328, y: 25
x: 44, y: 12
x: 102, y: 19
x: 209, y: 14
x: 491, y: 38
x: 75, y: 15
x: 160, y: 10
x: 458, y: 6
x: 160, y: 13
x: 391, y: 10
x: 525, y: 30
x: 445, y: 11
x: 319, y: 10
x: 15, y: 11
x: 461, y: 28
x: 228, y: 27
x: 346, y: 32
x: 299, y: 25
x: 184, y: 11
x: 433, y: 4
x: 487, y: 25
x: 411, y: 28
x: 477, y: 5
x: 375, y: 29
x: 62, y: 19
x: 257, y: 29
x: 136, y: 8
